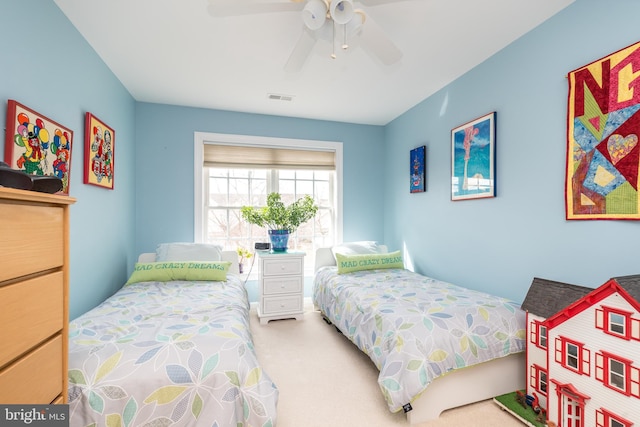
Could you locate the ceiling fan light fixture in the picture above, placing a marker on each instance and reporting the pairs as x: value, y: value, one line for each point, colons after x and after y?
x: 341, y: 11
x: 355, y: 24
x: 314, y: 14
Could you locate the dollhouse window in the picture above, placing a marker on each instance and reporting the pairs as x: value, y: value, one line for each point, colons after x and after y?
x: 614, y: 322
x: 538, y: 334
x: 542, y: 382
x: 538, y: 379
x: 543, y: 336
x: 617, y: 374
x: 572, y: 355
x: 605, y: 418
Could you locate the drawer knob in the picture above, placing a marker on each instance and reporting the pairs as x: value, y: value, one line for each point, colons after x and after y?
x: 281, y: 305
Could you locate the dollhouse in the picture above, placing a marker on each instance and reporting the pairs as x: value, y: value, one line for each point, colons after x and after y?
x: 583, y: 352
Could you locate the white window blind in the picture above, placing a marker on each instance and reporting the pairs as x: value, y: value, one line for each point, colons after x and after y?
x: 250, y: 157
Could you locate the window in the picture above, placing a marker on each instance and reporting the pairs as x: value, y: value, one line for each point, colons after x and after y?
x: 539, y: 379
x: 617, y: 322
x: 572, y: 355
x: 571, y: 359
x: 543, y: 336
x: 230, y: 189
x: 542, y: 383
x: 237, y: 178
x: 618, y: 373
x: 538, y: 334
x: 605, y: 418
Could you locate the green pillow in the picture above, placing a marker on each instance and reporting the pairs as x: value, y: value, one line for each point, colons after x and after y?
x: 174, y: 270
x: 358, y: 262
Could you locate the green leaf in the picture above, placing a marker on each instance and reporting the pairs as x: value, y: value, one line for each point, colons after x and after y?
x: 196, y: 406
x: 76, y: 376
x: 165, y: 394
x: 108, y: 366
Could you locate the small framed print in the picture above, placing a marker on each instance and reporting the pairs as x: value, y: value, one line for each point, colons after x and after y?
x: 417, y: 171
x: 99, y: 145
x: 37, y: 145
x: 473, y: 159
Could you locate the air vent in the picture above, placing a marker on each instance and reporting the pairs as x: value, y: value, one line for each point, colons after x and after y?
x: 280, y: 97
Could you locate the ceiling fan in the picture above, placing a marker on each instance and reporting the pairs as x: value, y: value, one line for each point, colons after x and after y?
x: 337, y: 21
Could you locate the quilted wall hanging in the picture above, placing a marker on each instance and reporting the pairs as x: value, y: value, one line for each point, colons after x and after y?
x: 603, y: 128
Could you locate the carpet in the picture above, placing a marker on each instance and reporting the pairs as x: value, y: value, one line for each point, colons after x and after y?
x: 324, y: 380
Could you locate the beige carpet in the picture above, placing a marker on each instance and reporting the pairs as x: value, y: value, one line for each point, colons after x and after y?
x: 324, y: 380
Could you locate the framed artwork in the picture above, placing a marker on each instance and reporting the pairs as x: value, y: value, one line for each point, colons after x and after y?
x: 417, y: 170
x: 99, y: 145
x: 603, y: 153
x: 473, y: 152
x: 36, y: 144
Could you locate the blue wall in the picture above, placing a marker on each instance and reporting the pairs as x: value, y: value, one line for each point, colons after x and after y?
x: 493, y: 244
x: 165, y: 175
x: 500, y: 244
x: 46, y: 65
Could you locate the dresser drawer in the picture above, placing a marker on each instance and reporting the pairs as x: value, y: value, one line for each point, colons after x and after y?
x: 282, y: 285
x: 32, y: 311
x: 281, y: 304
x: 274, y: 267
x: 36, y: 378
x: 32, y: 239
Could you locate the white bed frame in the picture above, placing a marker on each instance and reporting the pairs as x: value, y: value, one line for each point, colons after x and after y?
x: 226, y: 256
x: 460, y: 387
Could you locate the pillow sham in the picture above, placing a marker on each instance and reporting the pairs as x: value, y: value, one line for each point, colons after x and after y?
x: 189, y: 270
x: 188, y: 252
x: 361, y: 247
x: 359, y: 262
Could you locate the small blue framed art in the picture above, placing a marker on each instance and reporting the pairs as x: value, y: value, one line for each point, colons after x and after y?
x: 417, y: 170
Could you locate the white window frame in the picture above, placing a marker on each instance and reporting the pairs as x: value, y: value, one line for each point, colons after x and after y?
x: 202, y: 138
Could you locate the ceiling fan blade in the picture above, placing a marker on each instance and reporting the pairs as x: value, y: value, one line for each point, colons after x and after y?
x: 370, y: 3
x: 226, y: 8
x: 301, y: 51
x: 375, y: 41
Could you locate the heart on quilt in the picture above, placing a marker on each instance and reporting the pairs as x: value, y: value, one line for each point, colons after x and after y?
x: 619, y: 147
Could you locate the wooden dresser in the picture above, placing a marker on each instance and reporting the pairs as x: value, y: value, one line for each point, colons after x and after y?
x: 34, y: 296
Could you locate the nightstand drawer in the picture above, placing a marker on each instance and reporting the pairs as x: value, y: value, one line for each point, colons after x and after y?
x: 282, y: 304
x: 275, y: 267
x: 282, y: 285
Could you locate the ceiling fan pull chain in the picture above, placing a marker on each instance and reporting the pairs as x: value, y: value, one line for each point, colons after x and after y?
x: 333, y: 41
x: 345, y: 45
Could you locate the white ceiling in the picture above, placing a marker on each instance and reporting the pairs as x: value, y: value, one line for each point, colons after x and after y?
x: 175, y: 52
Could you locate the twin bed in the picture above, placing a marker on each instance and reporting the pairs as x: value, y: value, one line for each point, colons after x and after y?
x: 436, y: 345
x: 173, y: 346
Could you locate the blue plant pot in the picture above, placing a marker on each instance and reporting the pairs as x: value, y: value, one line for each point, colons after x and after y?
x: 279, y: 240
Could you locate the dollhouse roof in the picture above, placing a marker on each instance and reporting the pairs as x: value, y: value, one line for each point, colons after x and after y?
x: 547, y: 297
x: 631, y: 284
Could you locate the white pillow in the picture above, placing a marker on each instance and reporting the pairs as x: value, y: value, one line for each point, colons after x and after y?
x: 353, y: 248
x: 188, y: 252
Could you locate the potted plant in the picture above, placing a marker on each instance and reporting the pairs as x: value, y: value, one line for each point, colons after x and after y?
x: 279, y: 219
x: 243, y: 254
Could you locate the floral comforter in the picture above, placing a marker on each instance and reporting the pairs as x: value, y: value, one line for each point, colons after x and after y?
x: 169, y: 354
x: 415, y: 328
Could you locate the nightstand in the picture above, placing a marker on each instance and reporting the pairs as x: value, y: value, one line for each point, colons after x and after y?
x: 281, y: 285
